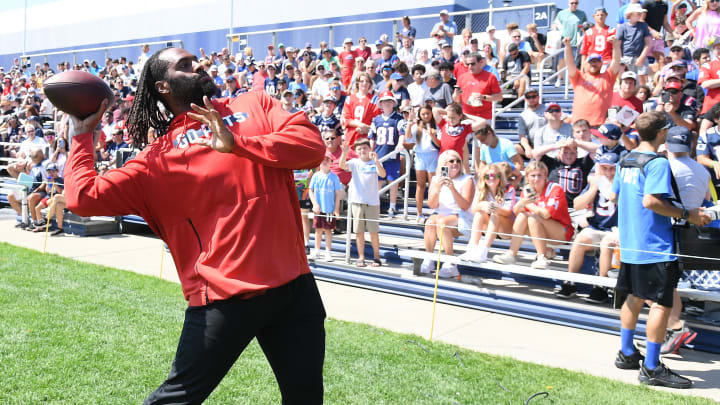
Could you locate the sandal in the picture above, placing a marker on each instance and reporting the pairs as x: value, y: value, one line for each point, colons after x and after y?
x: 376, y: 263
x: 360, y: 263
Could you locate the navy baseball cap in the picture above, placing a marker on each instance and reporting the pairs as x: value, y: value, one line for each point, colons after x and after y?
x: 679, y: 139
x: 610, y: 131
x: 607, y: 158
x: 602, y: 9
x: 594, y: 56
x: 53, y: 166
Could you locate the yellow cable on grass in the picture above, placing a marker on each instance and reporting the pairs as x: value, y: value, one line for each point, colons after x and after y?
x: 437, y: 278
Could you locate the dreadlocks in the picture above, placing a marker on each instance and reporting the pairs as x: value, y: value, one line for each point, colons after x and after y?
x: 145, y: 112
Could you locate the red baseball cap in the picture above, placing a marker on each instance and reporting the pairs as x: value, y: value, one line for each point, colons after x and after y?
x: 553, y: 105
x: 386, y: 95
x: 673, y: 85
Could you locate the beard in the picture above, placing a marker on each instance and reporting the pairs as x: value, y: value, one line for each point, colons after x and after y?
x: 193, y: 89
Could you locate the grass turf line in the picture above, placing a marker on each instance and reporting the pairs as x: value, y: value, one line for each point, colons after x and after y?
x: 78, y: 333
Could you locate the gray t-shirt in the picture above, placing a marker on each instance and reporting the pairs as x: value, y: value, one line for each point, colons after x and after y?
x: 633, y: 38
x: 547, y: 136
x: 442, y: 95
x: 530, y: 122
x: 692, y: 180
x: 363, y: 187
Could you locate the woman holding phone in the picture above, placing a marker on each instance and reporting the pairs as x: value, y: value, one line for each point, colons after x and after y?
x: 493, y: 210
x: 451, y: 194
x: 542, y: 212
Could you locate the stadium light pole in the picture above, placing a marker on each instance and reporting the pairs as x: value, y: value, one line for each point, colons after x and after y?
x: 24, y: 34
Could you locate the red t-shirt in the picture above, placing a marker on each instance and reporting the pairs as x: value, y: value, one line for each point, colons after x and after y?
x: 553, y: 199
x: 344, y: 176
x: 632, y: 102
x: 364, y: 53
x: 453, y: 137
x: 347, y: 65
x: 358, y: 109
x: 595, y: 41
x: 710, y: 71
x: 259, y: 81
x: 460, y: 69
x: 482, y: 83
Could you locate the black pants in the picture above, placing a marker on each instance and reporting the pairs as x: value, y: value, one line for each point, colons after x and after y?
x: 288, y: 322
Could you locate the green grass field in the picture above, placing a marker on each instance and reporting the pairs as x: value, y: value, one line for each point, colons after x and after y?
x: 76, y: 333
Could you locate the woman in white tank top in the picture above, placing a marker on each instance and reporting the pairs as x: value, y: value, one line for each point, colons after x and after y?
x: 451, y: 194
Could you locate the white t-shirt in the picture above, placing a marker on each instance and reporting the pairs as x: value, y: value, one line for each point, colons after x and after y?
x: 363, y: 188
x: 692, y: 179
x: 424, y: 144
x: 28, y: 145
x: 447, y: 204
x: 417, y: 93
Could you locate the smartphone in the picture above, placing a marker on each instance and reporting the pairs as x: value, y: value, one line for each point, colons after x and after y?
x: 665, y: 97
x: 529, y: 191
x: 444, y: 171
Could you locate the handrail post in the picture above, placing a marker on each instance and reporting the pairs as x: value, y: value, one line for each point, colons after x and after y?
x: 394, y: 30
x: 566, y: 81
x: 331, y: 36
x: 24, y: 211
x: 348, y: 235
x: 408, y: 168
x: 74, y: 59
x: 274, y: 39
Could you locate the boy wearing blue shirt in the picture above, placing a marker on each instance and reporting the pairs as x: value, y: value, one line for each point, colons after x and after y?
x: 641, y: 189
x: 325, y: 190
x: 385, y: 138
x: 328, y: 120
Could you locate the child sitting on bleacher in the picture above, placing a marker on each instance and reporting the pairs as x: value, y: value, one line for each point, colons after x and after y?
x: 325, y: 190
x: 542, y: 212
x: 493, y: 210
x: 599, y: 232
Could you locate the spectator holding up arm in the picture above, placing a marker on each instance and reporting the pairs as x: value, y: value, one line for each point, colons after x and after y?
x: 363, y: 197
x: 454, y: 133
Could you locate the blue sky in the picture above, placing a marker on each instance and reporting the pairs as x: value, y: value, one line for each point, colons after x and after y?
x: 6, y: 5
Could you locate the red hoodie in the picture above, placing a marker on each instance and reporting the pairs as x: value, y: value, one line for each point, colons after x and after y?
x: 231, y: 220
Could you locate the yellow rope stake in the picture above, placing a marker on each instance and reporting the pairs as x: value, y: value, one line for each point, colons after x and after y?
x: 162, y: 256
x: 47, y: 224
x: 437, y: 277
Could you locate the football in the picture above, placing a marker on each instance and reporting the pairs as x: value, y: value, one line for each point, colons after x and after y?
x: 77, y: 93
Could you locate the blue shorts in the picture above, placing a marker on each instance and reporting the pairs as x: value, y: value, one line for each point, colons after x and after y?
x: 426, y: 161
x: 392, y: 170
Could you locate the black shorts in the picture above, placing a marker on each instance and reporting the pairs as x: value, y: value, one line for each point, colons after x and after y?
x: 650, y: 281
x: 306, y: 204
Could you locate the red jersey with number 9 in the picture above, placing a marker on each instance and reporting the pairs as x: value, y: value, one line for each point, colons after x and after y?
x: 595, y: 41
x: 358, y: 109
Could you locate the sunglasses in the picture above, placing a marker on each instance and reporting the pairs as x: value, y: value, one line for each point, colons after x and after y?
x: 673, y: 91
x: 491, y: 176
x: 335, y: 88
x: 518, y: 36
x: 453, y: 161
x: 331, y: 138
x: 531, y: 96
x: 713, y: 1
x: 472, y: 64
x: 554, y: 110
x: 574, y: 3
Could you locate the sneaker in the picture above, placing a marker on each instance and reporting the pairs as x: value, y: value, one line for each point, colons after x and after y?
x: 540, y: 263
x: 676, y: 338
x: 505, y: 258
x: 566, y: 291
x: 468, y: 253
x: 391, y: 213
x: 57, y: 232
x: 328, y: 256
x: 478, y: 254
x: 663, y: 377
x: 598, y: 295
x: 313, y: 254
x: 21, y: 225
x: 30, y: 227
x: 427, y: 266
x: 449, y: 270
x: 420, y: 219
x: 631, y: 362
x: 558, y: 83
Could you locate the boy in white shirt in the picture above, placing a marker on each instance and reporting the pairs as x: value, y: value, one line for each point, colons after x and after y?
x: 364, y: 197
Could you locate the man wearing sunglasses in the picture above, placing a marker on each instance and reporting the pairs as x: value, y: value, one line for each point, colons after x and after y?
x: 593, y: 87
x: 529, y: 123
x: 677, y: 112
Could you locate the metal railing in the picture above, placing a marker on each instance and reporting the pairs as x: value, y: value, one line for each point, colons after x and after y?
x: 107, y: 49
x: 541, y: 79
x: 405, y: 177
x: 476, y: 20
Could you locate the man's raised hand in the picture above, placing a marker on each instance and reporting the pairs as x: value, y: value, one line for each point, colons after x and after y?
x: 222, y: 139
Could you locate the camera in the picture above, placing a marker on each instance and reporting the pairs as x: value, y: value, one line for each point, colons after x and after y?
x: 665, y: 96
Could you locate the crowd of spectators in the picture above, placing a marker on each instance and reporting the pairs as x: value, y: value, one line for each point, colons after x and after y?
x: 437, y: 103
